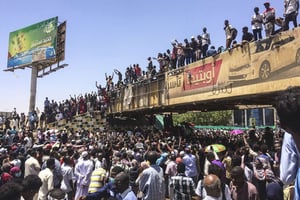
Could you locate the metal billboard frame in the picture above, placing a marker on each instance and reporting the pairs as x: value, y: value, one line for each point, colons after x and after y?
x: 43, y: 67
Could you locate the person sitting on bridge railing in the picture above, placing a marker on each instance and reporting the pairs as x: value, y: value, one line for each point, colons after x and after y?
x: 247, y: 36
x: 211, y: 52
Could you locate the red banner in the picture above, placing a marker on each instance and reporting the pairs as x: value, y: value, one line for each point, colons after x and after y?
x: 202, y: 76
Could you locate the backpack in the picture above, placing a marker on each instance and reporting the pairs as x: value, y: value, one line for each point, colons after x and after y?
x: 234, y: 33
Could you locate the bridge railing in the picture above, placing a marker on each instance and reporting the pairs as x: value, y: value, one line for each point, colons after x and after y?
x: 144, y: 94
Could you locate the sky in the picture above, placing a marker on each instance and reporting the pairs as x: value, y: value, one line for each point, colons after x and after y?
x: 103, y: 35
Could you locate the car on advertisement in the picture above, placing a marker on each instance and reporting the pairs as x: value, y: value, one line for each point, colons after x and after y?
x: 268, y: 56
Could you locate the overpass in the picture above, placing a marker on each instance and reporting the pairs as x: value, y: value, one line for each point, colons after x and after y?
x: 251, y: 74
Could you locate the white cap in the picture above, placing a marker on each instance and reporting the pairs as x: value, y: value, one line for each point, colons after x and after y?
x: 84, y: 154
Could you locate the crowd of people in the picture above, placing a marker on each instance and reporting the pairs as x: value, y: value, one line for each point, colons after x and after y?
x: 68, y: 108
x: 144, y: 164
x: 87, y: 165
x: 55, y: 111
x: 151, y: 164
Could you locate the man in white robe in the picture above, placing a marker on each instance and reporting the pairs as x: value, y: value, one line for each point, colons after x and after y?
x: 83, y: 172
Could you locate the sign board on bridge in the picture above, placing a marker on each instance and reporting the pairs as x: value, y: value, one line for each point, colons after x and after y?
x: 255, y: 68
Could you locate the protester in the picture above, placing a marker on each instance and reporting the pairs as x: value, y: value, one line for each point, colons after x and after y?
x: 32, y: 166
x: 31, y: 186
x: 11, y: 191
x: 211, y: 52
x: 152, y: 182
x: 67, y: 174
x: 205, y: 41
x: 290, y: 163
x: 291, y: 9
x: 257, y: 24
x: 123, y: 188
x: 98, y: 179
x: 191, y: 164
x: 83, y: 171
x: 46, y: 176
x: 214, y: 169
x: 212, y: 185
x: 228, y: 33
x: 241, y: 189
x: 181, y: 186
x: 57, y: 194
x: 269, y: 19
x: 108, y: 190
x: 247, y: 36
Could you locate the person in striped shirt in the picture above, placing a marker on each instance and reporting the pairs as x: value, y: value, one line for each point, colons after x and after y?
x: 98, y: 179
x: 181, y: 186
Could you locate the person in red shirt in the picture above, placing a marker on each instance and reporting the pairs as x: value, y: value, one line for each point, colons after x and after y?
x: 269, y: 19
x: 138, y: 71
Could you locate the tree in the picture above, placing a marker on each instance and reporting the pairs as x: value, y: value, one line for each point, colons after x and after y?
x: 205, y: 118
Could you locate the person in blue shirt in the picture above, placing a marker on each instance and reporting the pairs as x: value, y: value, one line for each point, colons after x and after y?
x: 290, y: 163
x: 211, y: 51
x: 190, y: 161
x: 287, y: 105
x: 122, y: 187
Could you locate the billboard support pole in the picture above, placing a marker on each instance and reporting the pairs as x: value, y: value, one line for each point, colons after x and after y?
x: 33, y: 85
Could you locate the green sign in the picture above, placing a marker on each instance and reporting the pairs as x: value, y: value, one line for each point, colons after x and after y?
x: 33, y: 43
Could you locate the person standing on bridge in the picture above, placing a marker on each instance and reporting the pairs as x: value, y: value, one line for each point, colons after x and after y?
x: 109, y: 81
x: 291, y: 8
x: 205, y: 41
x: 269, y: 19
x: 228, y: 33
x: 174, y: 55
x: 256, y: 22
x: 120, y: 76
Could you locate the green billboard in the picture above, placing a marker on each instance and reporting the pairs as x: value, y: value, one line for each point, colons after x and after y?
x: 33, y: 43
